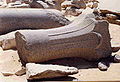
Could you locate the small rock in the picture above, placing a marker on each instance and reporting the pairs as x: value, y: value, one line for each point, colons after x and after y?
x: 8, y: 44
x: 7, y: 41
x: 7, y: 73
x: 102, y: 66
x: 21, y: 72
x: 95, y: 5
x: 72, y: 11
x: 80, y: 4
x: 3, y: 5
x: 39, y: 71
x: 38, y: 4
x: 66, y: 4
x: 76, y: 80
x: 117, y: 58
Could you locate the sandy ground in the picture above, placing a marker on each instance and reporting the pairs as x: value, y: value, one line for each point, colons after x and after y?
x: 9, y: 62
x: 113, y: 5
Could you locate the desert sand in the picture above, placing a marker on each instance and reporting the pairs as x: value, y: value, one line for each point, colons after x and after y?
x: 109, y: 5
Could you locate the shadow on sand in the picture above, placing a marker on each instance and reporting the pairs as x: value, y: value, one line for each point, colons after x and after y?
x: 73, y: 62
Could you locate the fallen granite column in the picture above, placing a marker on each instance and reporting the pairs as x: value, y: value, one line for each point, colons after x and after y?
x: 88, y: 39
x: 17, y: 19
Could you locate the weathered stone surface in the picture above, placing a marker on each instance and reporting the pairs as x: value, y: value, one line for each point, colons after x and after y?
x: 39, y: 71
x: 7, y: 41
x: 15, y: 19
x: 86, y: 38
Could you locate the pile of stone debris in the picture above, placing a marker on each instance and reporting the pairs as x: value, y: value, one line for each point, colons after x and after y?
x: 111, y: 16
x: 71, y: 7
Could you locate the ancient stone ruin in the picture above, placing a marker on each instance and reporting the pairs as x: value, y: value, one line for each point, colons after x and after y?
x: 44, y: 31
x: 84, y: 38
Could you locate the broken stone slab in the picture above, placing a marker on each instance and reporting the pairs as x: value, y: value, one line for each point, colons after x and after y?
x: 15, y: 19
x: 21, y: 72
x: 39, y: 71
x: 85, y: 38
x: 7, y: 41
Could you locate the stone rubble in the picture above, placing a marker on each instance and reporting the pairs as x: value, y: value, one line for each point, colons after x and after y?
x: 71, y: 7
x: 21, y: 72
x: 40, y: 71
x: 111, y: 16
